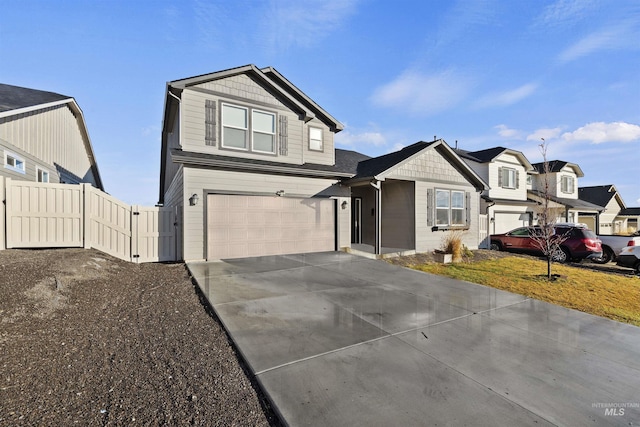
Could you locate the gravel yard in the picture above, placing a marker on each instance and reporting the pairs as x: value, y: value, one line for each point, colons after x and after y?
x: 87, y: 339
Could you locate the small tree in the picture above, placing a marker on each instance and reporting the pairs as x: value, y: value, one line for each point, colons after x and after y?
x: 544, y: 236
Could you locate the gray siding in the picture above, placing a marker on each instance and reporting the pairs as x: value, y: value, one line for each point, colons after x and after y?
x: 203, y: 181
x: 398, y: 215
x: 52, y: 136
x: 173, y: 141
x: 241, y: 90
x: 431, y: 166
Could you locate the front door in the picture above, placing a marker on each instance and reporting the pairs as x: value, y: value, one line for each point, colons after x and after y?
x: 356, y: 220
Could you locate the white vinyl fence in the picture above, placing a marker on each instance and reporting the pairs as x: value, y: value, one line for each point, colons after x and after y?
x: 484, y: 233
x: 43, y: 215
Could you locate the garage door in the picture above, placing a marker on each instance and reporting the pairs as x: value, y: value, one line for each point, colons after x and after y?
x: 245, y: 226
x: 507, y: 221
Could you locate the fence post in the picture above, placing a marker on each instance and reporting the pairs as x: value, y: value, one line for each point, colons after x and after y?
x: 86, y: 215
x: 3, y: 215
x: 135, y: 212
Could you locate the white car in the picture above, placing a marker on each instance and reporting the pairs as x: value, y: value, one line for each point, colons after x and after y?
x: 630, y: 257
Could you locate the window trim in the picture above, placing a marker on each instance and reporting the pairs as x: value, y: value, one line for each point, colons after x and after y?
x: 253, y: 131
x: 19, y: 166
x: 565, y: 180
x: 321, y: 130
x: 44, y: 172
x: 510, y: 172
x: 223, y: 125
x: 450, y: 209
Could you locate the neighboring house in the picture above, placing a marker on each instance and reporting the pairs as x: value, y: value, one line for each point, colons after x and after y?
x: 44, y: 138
x: 608, y: 198
x: 632, y: 217
x: 562, y: 178
x: 505, y: 202
x: 248, y: 163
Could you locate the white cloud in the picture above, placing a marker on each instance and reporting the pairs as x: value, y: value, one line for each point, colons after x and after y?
x: 621, y: 35
x: 396, y: 147
x: 348, y: 139
x: 566, y: 12
x: 501, y: 99
x: 599, y: 132
x: 294, y: 23
x: 422, y: 94
x: 505, y: 132
x: 546, y: 133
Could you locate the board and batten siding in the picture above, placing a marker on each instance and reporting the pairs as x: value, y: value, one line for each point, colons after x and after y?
x: 205, y: 181
x: 53, y: 136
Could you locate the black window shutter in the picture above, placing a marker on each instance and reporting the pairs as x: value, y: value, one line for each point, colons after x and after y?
x: 210, y: 122
x: 517, y: 179
x: 430, y: 207
x: 283, y: 136
x: 499, y: 177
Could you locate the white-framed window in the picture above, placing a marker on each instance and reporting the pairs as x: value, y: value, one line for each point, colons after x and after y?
x: 315, y: 139
x: 508, y: 178
x: 529, y: 179
x: 15, y: 163
x: 450, y: 207
x: 42, y: 175
x: 567, y: 184
x: 248, y: 129
x: 263, y: 126
x: 235, y: 125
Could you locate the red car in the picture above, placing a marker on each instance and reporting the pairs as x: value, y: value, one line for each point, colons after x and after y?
x: 580, y: 242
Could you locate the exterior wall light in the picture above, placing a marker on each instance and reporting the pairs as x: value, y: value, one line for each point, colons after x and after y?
x: 344, y: 205
x: 280, y: 193
x: 193, y: 200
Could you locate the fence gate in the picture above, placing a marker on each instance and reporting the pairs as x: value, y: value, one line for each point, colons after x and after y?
x: 153, y: 234
x: 483, y: 226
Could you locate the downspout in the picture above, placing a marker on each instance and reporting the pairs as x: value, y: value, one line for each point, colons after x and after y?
x: 378, y: 187
x: 176, y: 224
x: 489, y: 233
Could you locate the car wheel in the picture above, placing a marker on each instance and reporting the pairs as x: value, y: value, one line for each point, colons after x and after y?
x: 495, y: 246
x: 607, y: 256
x: 637, y: 268
x: 561, y: 255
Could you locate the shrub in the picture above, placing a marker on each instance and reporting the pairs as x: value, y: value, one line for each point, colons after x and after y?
x: 452, y: 244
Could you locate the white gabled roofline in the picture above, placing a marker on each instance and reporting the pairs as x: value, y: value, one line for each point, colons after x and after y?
x: 36, y: 107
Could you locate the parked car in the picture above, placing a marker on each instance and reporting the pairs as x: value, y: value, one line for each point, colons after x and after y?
x: 580, y: 242
x: 630, y: 257
x: 612, y: 245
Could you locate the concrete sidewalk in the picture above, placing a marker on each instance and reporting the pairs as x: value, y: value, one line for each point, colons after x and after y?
x: 339, y: 340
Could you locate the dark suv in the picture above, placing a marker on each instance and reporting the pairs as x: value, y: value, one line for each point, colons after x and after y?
x: 580, y: 242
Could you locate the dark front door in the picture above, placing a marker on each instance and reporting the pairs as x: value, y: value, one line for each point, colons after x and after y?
x: 356, y: 220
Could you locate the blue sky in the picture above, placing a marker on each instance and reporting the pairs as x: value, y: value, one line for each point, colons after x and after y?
x: 483, y: 73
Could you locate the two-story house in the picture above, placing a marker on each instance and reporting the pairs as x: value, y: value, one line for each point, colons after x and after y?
x: 506, y: 202
x: 44, y: 138
x: 560, y: 180
x: 249, y: 165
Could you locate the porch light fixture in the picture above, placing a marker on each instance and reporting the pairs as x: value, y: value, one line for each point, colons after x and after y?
x: 193, y: 200
x: 344, y: 205
x: 280, y: 193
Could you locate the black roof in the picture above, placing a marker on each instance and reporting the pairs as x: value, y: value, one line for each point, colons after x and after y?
x: 629, y: 212
x: 572, y: 203
x: 376, y: 165
x: 482, y: 156
x: 554, y: 166
x: 15, y: 97
x: 599, y: 195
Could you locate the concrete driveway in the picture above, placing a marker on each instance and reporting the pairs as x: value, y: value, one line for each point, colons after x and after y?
x: 339, y: 340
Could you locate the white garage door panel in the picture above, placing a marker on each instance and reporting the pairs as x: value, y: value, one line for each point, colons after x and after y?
x: 507, y: 221
x: 244, y: 226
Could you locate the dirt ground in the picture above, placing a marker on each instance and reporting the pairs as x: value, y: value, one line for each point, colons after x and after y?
x: 86, y: 339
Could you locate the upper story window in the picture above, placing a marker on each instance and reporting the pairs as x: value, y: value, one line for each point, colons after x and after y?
x: 450, y: 209
x: 508, y: 178
x: 567, y: 184
x: 42, y: 175
x: 248, y: 129
x: 529, y: 180
x: 315, y: 139
x: 15, y: 163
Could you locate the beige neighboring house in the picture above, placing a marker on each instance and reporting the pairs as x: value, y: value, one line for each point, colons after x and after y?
x: 44, y: 138
x: 249, y: 165
x: 615, y: 217
x: 506, y: 202
x: 563, y: 192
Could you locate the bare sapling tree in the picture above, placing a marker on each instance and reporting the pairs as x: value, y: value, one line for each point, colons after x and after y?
x: 544, y: 235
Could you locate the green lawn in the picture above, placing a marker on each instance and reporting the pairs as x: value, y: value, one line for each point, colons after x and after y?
x: 608, y: 295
